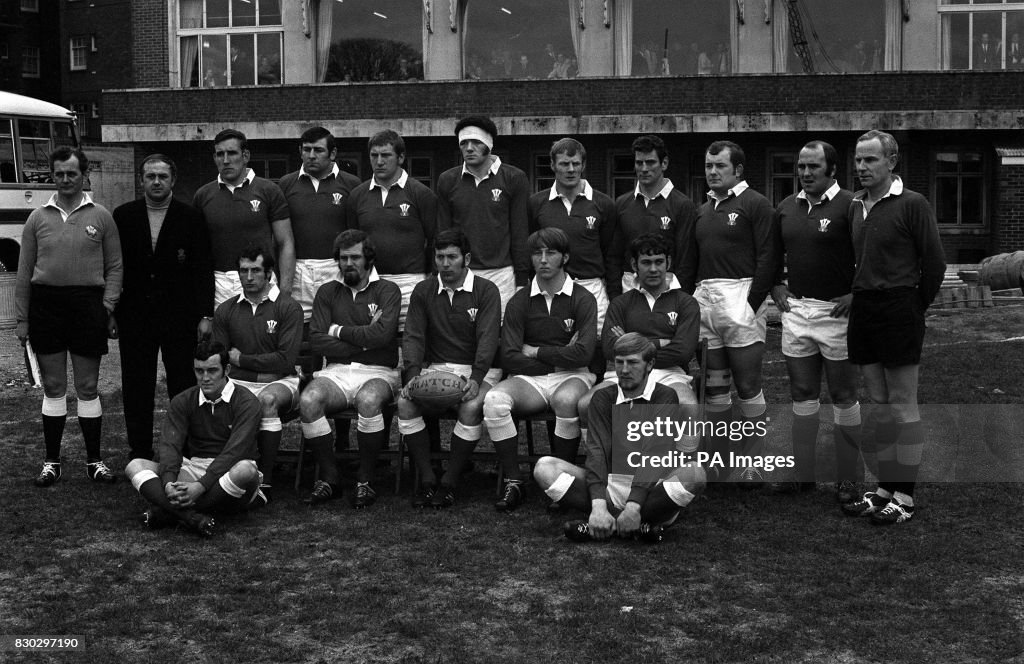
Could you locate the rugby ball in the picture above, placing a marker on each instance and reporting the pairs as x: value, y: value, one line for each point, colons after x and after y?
x: 438, y: 390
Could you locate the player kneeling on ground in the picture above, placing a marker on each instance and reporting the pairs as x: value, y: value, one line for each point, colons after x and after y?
x: 547, y: 341
x: 452, y: 326
x: 625, y: 496
x: 218, y: 422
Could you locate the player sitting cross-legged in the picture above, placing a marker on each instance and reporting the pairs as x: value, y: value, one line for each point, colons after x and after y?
x: 453, y: 326
x: 622, y: 498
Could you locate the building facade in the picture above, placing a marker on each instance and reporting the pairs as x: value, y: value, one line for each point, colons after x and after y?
x: 943, y: 75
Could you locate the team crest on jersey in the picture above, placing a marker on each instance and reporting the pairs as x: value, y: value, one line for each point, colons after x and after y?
x: 568, y: 323
x: 823, y: 225
x: 404, y: 207
x: 181, y: 255
x: 472, y: 314
x: 271, y: 326
x: 665, y: 223
x: 373, y: 309
x: 733, y: 216
x: 496, y: 195
x: 672, y: 316
x: 591, y: 220
x: 90, y: 231
x: 337, y: 199
x: 255, y: 205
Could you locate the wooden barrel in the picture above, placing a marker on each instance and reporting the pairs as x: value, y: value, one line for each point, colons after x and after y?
x: 7, y: 318
x: 1003, y: 271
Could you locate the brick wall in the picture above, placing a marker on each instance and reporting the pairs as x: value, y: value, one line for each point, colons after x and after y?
x: 1010, y: 209
x: 733, y: 95
x: 149, y: 44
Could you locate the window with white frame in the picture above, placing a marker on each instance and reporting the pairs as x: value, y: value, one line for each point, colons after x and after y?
x: 958, y: 187
x: 982, y: 35
x: 30, y: 62
x: 82, y: 113
x: 230, y: 42
x: 79, y: 51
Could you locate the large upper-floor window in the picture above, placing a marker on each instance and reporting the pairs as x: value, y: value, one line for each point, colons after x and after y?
x: 372, y: 40
x: 519, y: 39
x: 675, y: 37
x: 982, y: 36
x: 841, y: 36
x: 230, y: 42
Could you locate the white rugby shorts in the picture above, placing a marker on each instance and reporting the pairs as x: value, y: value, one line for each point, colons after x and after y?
x: 351, y: 377
x: 726, y: 319
x: 808, y: 329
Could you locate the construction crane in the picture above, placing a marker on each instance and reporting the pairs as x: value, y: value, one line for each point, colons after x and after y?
x: 796, y: 32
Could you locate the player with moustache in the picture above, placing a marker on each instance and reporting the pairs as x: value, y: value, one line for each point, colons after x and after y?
x: 453, y: 326
x: 665, y: 315
x: 734, y: 266
x: 166, y: 303
x: 316, y: 195
x: 355, y: 327
x: 622, y: 499
x: 216, y: 421
x: 900, y: 268
x: 547, y: 341
x: 813, y: 229
x: 487, y: 200
x: 242, y: 209
x: 262, y: 330
x: 588, y: 217
x: 654, y: 206
x: 399, y: 213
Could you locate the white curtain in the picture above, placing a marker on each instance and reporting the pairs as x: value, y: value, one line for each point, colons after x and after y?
x: 894, y: 35
x: 191, y: 17
x: 623, y: 37
x: 781, y: 46
x: 324, y: 28
x: 574, y: 28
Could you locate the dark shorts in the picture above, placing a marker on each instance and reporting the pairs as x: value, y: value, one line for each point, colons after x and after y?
x: 67, y: 318
x: 886, y: 327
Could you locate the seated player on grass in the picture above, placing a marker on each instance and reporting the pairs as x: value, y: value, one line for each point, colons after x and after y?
x: 453, y: 325
x: 622, y: 499
x: 262, y: 330
x: 547, y: 341
x: 218, y: 422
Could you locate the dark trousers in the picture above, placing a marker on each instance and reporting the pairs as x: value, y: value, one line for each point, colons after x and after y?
x: 139, y: 345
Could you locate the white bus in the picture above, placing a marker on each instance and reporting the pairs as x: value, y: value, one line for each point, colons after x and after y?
x: 29, y: 130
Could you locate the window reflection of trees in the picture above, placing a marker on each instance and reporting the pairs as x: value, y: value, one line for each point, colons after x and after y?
x: 368, y: 59
x: 378, y: 40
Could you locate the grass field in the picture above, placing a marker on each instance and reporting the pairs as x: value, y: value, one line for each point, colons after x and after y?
x: 744, y: 577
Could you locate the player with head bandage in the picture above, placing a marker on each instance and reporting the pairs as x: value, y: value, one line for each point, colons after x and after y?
x: 487, y: 200
x: 624, y: 495
x: 547, y: 341
x: 453, y: 325
x: 217, y: 421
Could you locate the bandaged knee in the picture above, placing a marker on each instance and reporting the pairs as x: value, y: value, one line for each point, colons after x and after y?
x: 806, y: 408
x: 559, y: 487
x: 91, y: 408
x: 55, y: 406
x: 498, y: 415
x: 370, y: 424
x: 847, y: 417
x: 567, y: 427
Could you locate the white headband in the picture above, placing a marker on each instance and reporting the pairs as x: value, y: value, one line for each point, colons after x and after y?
x: 477, y: 134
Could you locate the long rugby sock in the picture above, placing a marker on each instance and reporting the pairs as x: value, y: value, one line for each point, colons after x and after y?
x: 90, y: 421
x: 909, y: 449
x: 462, y: 450
x: 53, y: 432
x: 805, y: 436
x: 320, y: 441
x: 268, y: 443
x: 886, y: 435
x: 719, y: 415
x: 847, y: 439
x: 418, y: 444
x: 754, y: 413
x: 565, y: 449
x: 658, y: 507
x: 370, y: 445
x: 508, y: 455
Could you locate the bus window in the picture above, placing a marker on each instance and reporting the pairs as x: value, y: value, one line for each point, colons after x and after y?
x: 8, y: 170
x: 35, y: 150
